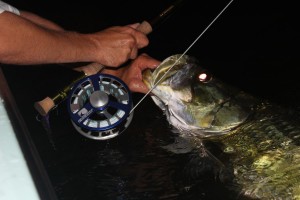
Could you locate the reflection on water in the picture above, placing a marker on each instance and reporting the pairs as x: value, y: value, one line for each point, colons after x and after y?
x: 134, y: 165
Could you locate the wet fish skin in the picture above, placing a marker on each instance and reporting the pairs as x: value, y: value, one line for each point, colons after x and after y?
x: 260, y: 138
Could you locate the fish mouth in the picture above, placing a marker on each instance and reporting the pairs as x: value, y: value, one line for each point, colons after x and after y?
x: 202, y: 109
x: 152, y: 77
x: 147, y: 78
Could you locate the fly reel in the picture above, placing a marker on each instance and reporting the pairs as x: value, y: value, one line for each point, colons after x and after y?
x: 99, y: 106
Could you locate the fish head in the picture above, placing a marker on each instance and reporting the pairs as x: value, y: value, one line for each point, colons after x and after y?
x: 195, y: 102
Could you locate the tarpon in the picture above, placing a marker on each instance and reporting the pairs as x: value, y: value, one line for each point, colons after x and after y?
x: 260, y: 139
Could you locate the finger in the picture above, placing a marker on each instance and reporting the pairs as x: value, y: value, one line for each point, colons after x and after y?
x: 151, y: 62
x: 134, y: 53
x: 140, y: 38
x: 138, y: 86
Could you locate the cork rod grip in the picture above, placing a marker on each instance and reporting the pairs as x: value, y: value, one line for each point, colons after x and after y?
x: 44, y: 106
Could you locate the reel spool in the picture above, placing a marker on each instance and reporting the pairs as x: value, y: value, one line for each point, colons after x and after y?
x: 99, y: 106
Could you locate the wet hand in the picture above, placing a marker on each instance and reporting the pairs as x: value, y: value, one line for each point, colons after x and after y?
x: 132, y: 74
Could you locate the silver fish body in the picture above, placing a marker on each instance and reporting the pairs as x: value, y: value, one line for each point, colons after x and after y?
x: 261, y: 139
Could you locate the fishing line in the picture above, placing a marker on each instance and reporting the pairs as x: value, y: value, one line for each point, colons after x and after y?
x: 192, y: 44
x: 99, y: 104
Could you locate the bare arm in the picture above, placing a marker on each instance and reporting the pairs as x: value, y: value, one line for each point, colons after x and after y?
x: 26, y: 42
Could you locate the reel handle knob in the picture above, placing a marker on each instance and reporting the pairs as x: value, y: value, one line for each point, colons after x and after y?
x: 45, y: 105
x: 99, y: 106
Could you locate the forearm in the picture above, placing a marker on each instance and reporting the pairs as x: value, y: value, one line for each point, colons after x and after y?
x: 25, y: 42
x: 30, y: 39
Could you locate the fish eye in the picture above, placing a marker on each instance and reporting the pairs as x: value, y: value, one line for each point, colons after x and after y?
x: 204, y: 77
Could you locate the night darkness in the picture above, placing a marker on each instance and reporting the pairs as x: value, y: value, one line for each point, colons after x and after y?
x: 252, y: 46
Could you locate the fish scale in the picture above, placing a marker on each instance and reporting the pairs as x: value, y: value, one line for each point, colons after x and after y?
x: 259, y: 139
x: 265, y: 160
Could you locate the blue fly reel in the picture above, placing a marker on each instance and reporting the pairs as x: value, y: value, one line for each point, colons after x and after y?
x: 99, y: 106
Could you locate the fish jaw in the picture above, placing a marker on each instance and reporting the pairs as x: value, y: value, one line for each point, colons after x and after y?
x: 159, y: 96
x: 203, y: 109
x: 165, y: 99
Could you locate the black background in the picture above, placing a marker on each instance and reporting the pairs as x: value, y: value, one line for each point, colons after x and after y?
x: 253, y: 46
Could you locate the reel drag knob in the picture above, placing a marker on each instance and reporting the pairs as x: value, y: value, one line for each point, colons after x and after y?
x: 99, y: 106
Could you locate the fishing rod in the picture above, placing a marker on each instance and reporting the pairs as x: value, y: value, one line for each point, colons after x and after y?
x: 44, y: 106
x: 176, y: 61
x: 100, y: 105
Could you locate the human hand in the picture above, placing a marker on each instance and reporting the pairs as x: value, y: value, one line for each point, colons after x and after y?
x: 132, y: 73
x: 115, y: 45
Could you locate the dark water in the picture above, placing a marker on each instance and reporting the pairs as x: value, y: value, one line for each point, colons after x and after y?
x: 132, y: 166
x: 252, y: 46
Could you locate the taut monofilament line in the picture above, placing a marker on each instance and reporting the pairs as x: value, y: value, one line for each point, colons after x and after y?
x: 191, y: 45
